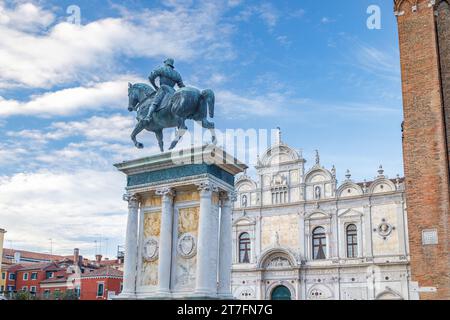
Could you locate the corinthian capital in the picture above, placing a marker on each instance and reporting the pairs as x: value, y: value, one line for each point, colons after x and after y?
x: 207, y: 187
x: 132, y: 199
x: 165, y: 192
x: 228, y: 196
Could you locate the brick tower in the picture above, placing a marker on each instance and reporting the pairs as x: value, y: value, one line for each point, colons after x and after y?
x: 424, y: 33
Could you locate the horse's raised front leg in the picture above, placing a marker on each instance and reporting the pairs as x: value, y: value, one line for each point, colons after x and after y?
x: 160, y: 137
x: 181, y: 130
x: 139, y: 127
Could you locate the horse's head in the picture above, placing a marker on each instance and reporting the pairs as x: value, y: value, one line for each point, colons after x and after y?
x: 133, y: 97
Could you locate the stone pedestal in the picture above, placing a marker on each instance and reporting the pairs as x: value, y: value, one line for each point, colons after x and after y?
x: 178, y: 242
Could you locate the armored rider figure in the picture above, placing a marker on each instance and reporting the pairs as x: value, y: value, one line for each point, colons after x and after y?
x: 168, y: 78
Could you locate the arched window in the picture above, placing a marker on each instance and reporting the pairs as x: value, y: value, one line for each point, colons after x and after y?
x: 319, y: 243
x: 352, y: 241
x: 244, y: 248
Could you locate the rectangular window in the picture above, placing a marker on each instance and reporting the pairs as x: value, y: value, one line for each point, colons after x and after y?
x: 33, y: 289
x: 11, y: 288
x: 34, y: 276
x: 100, y: 289
x: 25, y: 276
x: 319, y: 244
x: 49, y: 275
x: 3, y: 275
x: 244, y: 248
x: 12, y: 276
x: 46, y: 293
x: 24, y: 288
x: 352, y: 241
x: 2, y: 288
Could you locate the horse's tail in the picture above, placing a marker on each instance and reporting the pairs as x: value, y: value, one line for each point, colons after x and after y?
x: 209, y: 99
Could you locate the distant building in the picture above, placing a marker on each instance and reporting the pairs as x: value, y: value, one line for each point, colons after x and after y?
x: 67, y: 274
x: 101, y: 284
x: 12, y: 256
x: 9, y: 273
x: 29, y: 276
x: 2, y: 277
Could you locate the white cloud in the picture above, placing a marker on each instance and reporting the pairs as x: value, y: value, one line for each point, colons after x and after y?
x: 94, y: 143
x: 326, y: 20
x: 70, y: 53
x: 25, y: 16
x: 265, y: 11
x: 67, y: 207
x: 234, y: 105
x: 384, y: 63
x: 269, y: 14
x: 234, y: 3
x: 284, y: 41
x: 97, y: 96
x: 107, y: 128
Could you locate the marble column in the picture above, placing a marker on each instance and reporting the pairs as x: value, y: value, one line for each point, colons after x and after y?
x: 131, y: 246
x: 165, y: 240
x: 225, y: 245
x: 206, y: 273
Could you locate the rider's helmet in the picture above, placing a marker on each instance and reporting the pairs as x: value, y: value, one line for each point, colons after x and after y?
x: 169, y: 62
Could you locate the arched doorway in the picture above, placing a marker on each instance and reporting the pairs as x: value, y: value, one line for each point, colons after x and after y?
x: 281, y: 293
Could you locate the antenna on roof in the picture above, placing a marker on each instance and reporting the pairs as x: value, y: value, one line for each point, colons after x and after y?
x: 106, y: 247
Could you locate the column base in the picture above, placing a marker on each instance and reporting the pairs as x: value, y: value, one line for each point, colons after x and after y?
x: 204, y: 294
x: 125, y: 296
x: 163, y: 294
x: 225, y: 296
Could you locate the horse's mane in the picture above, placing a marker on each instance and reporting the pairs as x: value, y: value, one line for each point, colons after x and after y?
x: 148, y: 90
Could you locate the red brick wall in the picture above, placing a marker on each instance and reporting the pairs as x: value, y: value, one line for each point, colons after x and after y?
x: 89, y: 287
x: 443, y: 27
x: 20, y: 283
x: 424, y: 147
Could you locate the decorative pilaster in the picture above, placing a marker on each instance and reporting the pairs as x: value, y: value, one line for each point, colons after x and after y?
x: 225, y: 244
x: 131, y: 245
x: 401, y: 229
x: 302, y: 237
x: 206, y: 282
x: 165, y: 240
x: 368, y: 231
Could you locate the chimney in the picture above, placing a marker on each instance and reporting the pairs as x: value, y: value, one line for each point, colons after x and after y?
x: 76, y: 256
x: 98, y: 258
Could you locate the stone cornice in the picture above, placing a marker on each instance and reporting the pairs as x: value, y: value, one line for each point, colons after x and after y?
x: 403, y: 6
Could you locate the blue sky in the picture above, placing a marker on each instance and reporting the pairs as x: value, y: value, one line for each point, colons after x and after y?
x: 313, y: 68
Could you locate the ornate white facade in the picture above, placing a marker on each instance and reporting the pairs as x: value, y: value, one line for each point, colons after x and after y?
x: 299, y: 234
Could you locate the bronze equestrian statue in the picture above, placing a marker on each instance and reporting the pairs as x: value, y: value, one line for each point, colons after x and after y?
x: 162, y: 107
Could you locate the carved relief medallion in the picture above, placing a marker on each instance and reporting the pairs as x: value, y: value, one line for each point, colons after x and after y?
x: 150, y: 249
x: 384, y: 229
x: 187, y: 245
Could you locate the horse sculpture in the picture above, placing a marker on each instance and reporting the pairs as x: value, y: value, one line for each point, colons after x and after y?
x: 175, y: 109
